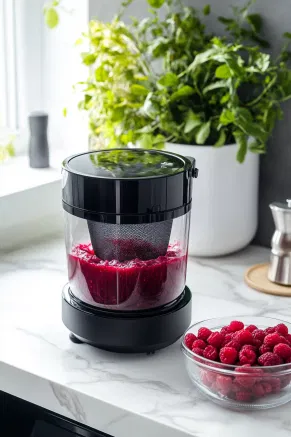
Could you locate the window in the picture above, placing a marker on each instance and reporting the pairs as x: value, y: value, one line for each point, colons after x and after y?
x: 8, y: 66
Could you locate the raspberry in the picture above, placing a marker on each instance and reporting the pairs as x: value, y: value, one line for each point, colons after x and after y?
x: 267, y: 387
x: 203, y: 333
x: 204, y: 378
x: 224, y: 384
x: 243, y: 337
x: 247, y: 356
x: 235, y: 325
x: 283, y: 350
x: 269, y: 359
x: 281, y: 329
x: 288, y: 360
x: 224, y: 330
x: 210, y: 352
x: 257, y: 343
x: 288, y: 338
x: 234, y: 344
x: 249, y: 346
x: 199, y: 343
x: 251, y: 328
x: 189, y: 339
x: 270, y: 330
x: 263, y: 349
x: 215, y: 339
x: 198, y: 351
x: 211, y: 376
x: 246, y: 381
x: 207, y: 377
x: 243, y: 396
x: 227, y: 339
x: 272, y: 339
x: 258, y: 334
x: 235, y: 387
x: 258, y: 390
x: 276, y: 385
x: 283, y: 340
x: 228, y: 355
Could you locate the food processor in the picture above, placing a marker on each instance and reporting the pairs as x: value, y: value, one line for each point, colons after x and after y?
x: 127, y: 215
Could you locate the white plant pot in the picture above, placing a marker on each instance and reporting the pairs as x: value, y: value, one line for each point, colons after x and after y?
x: 225, y: 199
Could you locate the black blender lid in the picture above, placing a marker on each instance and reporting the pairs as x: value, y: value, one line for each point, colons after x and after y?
x: 125, y: 164
x: 128, y: 185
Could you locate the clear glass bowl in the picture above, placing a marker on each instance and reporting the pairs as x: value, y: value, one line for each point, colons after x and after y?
x: 259, y: 387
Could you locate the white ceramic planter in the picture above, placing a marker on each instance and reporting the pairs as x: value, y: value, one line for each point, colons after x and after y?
x: 225, y: 199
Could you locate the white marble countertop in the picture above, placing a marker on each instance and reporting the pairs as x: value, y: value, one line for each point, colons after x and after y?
x: 122, y: 395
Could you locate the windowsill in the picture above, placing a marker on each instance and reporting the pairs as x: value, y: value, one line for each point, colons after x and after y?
x: 30, y: 202
x: 17, y: 176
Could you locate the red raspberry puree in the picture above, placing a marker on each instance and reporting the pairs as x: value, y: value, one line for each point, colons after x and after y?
x: 127, y: 285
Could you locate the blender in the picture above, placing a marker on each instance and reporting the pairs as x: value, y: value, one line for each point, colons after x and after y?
x: 127, y: 215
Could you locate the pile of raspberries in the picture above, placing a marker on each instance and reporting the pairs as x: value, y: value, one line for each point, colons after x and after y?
x: 244, y: 347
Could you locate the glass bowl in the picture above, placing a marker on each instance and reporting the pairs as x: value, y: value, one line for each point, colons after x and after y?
x: 231, y: 386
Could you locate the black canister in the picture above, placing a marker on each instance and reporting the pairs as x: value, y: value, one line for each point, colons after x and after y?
x: 38, y: 143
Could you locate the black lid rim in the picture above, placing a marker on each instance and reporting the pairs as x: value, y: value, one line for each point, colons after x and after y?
x: 127, y: 218
x: 187, y: 164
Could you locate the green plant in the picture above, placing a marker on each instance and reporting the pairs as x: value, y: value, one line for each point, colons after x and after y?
x: 217, y: 92
x: 205, y: 90
x: 51, y: 14
x: 230, y: 92
x: 119, y: 81
x: 7, y: 148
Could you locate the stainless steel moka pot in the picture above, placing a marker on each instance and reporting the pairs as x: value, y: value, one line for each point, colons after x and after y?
x: 280, y: 264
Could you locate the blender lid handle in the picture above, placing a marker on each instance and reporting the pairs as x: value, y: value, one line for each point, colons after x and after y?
x: 195, y: 170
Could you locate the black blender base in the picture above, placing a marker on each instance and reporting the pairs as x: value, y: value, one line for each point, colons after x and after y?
x: 126, y: 332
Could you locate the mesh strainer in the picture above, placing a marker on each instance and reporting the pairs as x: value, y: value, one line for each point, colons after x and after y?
x: 125, y: 242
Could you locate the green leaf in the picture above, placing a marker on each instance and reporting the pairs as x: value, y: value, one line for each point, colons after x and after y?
x: 150, y: 108
x: 225, y: 20
x: 168, y: 80
x: 185, y: 91
x: 226, y: 117
x: 263, y: 61
x: 241, y: 140
x: 245, y: 113
x: 192, y: 121
x: 206, y: 10
x: 65, y: 112
x: 51, y: 17
x: 287, y: 35
x: 146, y: 141
x: 223, y: 72
x: 159, y: 141
x: 221, y: 139
x: 250, y: 128
x: 156, y: 3
x: 89, y: 58
x: 255, y: 21
x: 256, y: 147
x: 225, y: 98
x: 159, y: 47
x: 139, y: 90
x: 101, y: 74
x: 215, y: 85
x: 263, y: 43
x: 203, y: 133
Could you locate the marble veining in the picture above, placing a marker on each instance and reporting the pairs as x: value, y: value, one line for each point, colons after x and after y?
x: 123, y: 395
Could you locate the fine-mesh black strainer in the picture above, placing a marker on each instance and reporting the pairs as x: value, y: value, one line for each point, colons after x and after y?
x: 129, y: 198
x: 126, y: 242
